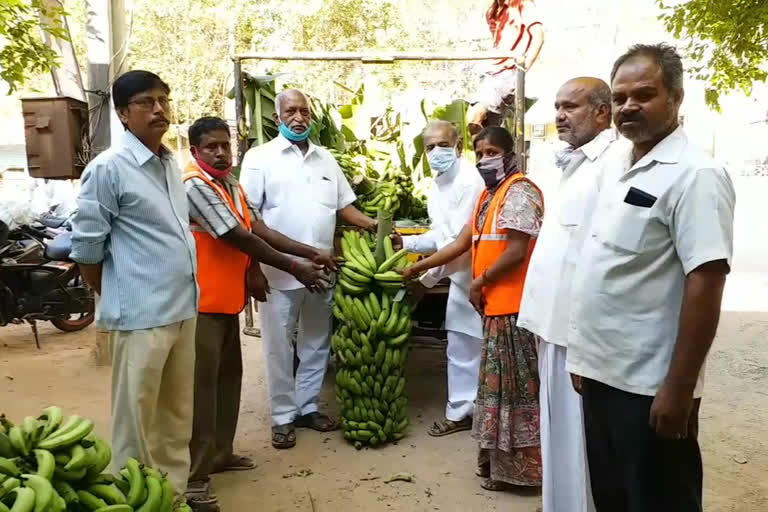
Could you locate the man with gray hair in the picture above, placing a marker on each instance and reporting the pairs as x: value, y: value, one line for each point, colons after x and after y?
x: 300, y: 191
x: 450, y: 203
x: 583, y: 119
x: 647, y: 293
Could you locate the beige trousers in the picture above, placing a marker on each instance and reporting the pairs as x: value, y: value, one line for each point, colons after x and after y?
x: 152, y: 398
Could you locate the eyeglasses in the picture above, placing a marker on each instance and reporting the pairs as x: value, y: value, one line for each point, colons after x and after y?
x: 148, y: 104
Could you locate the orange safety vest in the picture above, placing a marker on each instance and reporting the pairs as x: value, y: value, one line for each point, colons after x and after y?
x: 221, y: 268
x: 502, y: 297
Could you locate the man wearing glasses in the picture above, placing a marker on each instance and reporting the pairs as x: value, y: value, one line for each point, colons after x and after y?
x: 132, y: 241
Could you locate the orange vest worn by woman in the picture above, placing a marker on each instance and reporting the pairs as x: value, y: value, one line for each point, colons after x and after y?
x: 221, y: 268
x: 502, y: 297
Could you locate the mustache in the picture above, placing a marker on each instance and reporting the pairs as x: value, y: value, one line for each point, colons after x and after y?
x: 160, y: 120
x: 633, y: 117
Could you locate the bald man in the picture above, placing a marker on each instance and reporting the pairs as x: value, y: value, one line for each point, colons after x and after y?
x: 583, y: 118
x: 450, y: 203
x: 300, y: 190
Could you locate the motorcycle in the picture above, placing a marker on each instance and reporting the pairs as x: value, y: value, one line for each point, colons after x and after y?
x: 38, y: 281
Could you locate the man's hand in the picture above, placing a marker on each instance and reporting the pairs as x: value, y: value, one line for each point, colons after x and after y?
x: 578, y: 384
x: 397, y: 241
x: 310, y: 275
x: 258, y: 286
x: 476, y: 297
x: 670, y: 411
x: 408, y: 273
x: 326, y: 259
x: 373, y: 225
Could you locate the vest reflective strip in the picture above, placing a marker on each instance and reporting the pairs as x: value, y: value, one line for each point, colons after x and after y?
x: 492, y: 238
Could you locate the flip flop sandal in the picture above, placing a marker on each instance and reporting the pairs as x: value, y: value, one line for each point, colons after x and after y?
x: 495, y: 485
x: 235, y: 463
x: 283, y: 436
x: 200, y: 498
x: 448, y: 427
x: 316, y: 421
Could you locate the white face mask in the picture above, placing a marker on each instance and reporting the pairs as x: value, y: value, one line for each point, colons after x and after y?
x: 441, y: 159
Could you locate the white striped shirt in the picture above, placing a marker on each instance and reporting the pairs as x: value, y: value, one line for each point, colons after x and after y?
x: 133, y: 218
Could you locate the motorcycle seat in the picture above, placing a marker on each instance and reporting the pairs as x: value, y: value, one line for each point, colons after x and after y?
x: 59, y: 248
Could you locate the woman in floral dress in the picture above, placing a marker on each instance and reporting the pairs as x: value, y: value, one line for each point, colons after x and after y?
x: 501, y: 236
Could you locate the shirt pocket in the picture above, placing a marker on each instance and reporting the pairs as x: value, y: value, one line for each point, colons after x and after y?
x: 571, y: 212
x: 625, y: 228
x: 325, y: 192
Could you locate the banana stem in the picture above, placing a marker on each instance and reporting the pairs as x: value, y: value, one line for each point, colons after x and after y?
x: 383, y: 230
x: 363, y: 185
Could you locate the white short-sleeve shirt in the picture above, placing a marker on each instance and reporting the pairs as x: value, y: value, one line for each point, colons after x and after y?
x: 297, y: 194
x: 546, y: 303
x: 654, y: 222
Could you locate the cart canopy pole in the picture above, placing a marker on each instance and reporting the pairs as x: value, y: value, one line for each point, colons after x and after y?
x: 241, y: 125
x: 372, y: 58
x: 520, y: 120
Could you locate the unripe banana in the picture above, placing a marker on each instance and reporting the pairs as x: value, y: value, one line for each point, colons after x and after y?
x: 82, y: 429
x: 78, y: 458
x: 102, y: 458
x: 137, y: 481
x: 9, y: 467
x: 90, y: 502
x: 46, y: 464
x: 108, y: 493
x: 18, y: 441
x: 6, y: 448
x: 8, y: 485
x: 116, y: 508
x: 71, y: 423
x: 166, y: 504
x: 43, y: 491
x: 154, y: 495
x: 65, y: 491
x: 25, y: 500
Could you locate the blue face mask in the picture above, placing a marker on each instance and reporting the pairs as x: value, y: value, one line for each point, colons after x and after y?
x: 293, y: 136
x: 442, y: 159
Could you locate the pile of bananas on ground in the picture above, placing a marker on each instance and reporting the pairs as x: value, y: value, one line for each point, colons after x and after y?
x: 371, y: 342
x: 48, y: 464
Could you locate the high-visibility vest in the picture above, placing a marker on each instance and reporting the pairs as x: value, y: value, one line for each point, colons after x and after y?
x: 221, y: 268
x: 503, y: 296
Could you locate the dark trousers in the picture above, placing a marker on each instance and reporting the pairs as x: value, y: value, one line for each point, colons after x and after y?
x: 631, y: 468
x: 218, y: 379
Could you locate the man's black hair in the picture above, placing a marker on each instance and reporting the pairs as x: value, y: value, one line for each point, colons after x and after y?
x: 205, y: 125
x: 664, y: 55
x: 135, y: 82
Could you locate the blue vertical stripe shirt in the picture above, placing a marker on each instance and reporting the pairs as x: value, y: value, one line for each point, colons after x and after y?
x: 133, y: 218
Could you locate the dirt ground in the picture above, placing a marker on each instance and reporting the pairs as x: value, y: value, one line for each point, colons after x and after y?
x: 324, y: 474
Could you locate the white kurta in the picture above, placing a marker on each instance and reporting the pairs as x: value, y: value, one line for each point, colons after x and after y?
x: 544, y: 310
x: 298, y: 195
x: 450, y: 204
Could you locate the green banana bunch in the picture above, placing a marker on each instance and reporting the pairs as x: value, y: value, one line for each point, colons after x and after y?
x: 346, y: 162
x: 370, y: 342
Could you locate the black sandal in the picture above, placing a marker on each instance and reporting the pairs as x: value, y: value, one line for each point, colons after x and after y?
x: 283, y: 436
x: 316, y: 421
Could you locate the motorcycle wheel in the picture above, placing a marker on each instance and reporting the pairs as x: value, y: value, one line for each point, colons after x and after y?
x: 70, y: 324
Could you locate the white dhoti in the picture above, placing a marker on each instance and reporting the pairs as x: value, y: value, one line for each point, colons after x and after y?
x: 463, y: 367
x: 565, y: 479
x: 291, y: 397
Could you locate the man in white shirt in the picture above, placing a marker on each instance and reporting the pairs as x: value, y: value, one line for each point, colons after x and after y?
x: 583, y: 119
x: 450, y: 204
x: 300, y: 190
x: 648, y: 290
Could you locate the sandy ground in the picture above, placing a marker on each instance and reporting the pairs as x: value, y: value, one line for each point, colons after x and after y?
x: 325, y: 474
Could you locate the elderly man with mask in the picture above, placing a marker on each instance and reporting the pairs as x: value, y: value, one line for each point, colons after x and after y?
x: 300, y: 191
x: 583, y: 119
x: 450, y: 203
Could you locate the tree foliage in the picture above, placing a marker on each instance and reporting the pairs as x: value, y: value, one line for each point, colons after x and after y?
x: 22, y: 51
x: 728, y: 41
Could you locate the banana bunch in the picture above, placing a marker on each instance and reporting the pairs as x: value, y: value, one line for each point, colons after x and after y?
x: 370, y: 342
x: 48, y: 464
x: 359, y: 269
x: 348, y: 165
x: 384, y: 196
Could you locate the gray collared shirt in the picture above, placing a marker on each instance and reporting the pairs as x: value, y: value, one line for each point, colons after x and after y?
x: 133, y: 218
